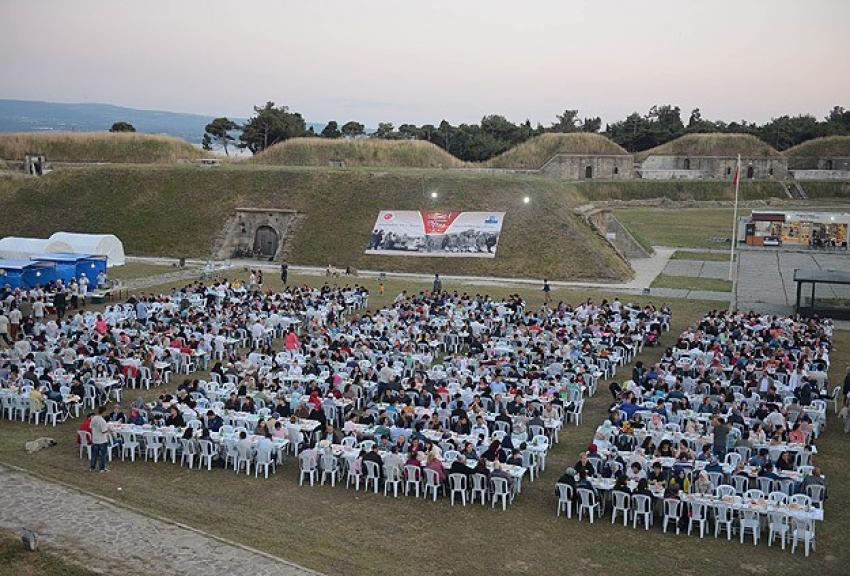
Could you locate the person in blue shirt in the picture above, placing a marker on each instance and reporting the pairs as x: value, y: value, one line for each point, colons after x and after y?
x: 214, y: 422
x: 767, y: 471
x: 628, y: 406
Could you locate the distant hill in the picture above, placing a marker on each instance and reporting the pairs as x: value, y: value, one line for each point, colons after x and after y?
x: 360, y: 152
x: 33, y: 116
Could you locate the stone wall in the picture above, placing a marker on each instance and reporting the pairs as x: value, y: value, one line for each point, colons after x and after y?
x: 604, y: 221
x: 821, y: 174
x: 240, y: 230
x: 715, y: 167
x: 602, y: 167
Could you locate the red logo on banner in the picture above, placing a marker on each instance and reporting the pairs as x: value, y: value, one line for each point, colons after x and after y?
x: 388, y: 216
x: 438, y: 222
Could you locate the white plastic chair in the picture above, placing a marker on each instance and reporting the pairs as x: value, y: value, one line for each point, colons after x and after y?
x: 588, y: 502
x: 802, y: 529
x: 432, y: 482
x: 499, y: 490
x: 621, y: 505
x: 642, y: 507
x: 392, y: 478
x: 207, y: 453
x: 307, y: 467
x: 129, y: 443
x: 412, y: 479
x: 373, y: 475
x: 153, y: 446
x: 188, y: 452
x: 672, y: 513
x: 723, y: 518
x: 330, y: 469
x: 698, y: 516
x: 265, y: 459
x: 749, y: 520
x: 457, y: 485
x: 85, y: 442
x: 777, y: 525
x: 724, y: 490
x: 565, y: 498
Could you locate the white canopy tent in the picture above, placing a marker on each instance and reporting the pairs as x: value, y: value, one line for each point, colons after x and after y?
x: 19, y: 248
x: 94, y: 244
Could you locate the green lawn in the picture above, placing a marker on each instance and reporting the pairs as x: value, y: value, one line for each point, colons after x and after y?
x: 339, y: 531
x: 16, y: 561
x: 701, y: 256
x: 133, y: 270
x: 680, y: 227
x: 689, y: 283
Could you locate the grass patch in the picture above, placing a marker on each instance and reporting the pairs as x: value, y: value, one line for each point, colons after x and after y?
x: 97, y: 147
x: 15, y: 561
x: 715, y: 144
x: 701, y: 256
x: 133, y: 270
x: 690, y: 283
x: 361, y: 152
x: 826, y: 189
x: 179, y: 211
x: 532, y: 154
x: 826, y: 147
x: 681, y: 227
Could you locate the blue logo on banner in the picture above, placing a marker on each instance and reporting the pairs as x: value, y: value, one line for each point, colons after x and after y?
x: 491, y: 220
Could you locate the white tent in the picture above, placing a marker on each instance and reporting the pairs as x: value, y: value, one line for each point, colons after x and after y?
x: 94, y: 244
x: 18, y: 248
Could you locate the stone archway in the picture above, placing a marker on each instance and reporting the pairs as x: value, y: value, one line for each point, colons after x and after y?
x: 266, y: 241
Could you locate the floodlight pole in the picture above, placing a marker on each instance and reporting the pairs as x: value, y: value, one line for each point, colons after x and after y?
x: 732, y: 276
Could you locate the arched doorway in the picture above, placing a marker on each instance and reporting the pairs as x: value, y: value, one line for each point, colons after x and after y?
x: 265, y: 241
x: 750, y: 172
x: 829, y: 164
x: 588, y: 172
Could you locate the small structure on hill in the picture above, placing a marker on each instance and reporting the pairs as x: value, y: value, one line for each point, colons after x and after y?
x: 35, y: 164
x: 589, y: 166
x: 829, y: 305
x: 256, y: 233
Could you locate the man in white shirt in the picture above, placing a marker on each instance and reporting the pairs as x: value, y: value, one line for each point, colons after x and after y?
x: 15, y: 318
x: 100, y: 439
x: 4, y: 328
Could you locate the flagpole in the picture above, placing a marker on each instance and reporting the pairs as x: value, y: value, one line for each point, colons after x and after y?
x: 734, y: 228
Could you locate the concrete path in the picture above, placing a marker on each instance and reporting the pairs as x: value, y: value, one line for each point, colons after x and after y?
x: 115, y: 540
x: 698, y: 269
x: 646, y: 269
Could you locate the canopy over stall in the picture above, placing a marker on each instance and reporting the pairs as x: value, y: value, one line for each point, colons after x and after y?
x: 19, y: 248
x: 834, y: 302
x: 94, y: 244
x: 26, y: 274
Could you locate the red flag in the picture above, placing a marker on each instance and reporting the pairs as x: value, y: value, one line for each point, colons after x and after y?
x: 737, y: 174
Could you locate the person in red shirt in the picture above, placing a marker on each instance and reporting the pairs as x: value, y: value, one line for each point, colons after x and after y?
x: 85, y: 426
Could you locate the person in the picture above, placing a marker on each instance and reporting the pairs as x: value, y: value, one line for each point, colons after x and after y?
x: 438, y: 284
x: 437, y: 466
x: 117, y: 414
x: 284, y: 273
x: 703, y: 485
x: 4, y: 328
x: 393, y: 463
x: 547, y: 296
x: 584, y: 465
x: 721, y: 433
x: 214, y: 421
x: 60, y: 303
x: 175, y: 418
x: 815, y: 478
x: 621, y: 484
x: 459, y: 466
x: 500, y: 472
x: 100, y: 440
x: 373, y: 456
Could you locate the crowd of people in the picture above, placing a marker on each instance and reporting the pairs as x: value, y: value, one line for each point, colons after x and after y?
x: 731, y: 411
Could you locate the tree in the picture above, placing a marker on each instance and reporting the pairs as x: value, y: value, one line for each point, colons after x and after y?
x: 122, y: 127
x: 270, y: 125
x: 567, y: 122
x: 591, y: 124
x: 385, y: 130
x: 353, y: 129
x: 331, y: 130
x: 218, y: 132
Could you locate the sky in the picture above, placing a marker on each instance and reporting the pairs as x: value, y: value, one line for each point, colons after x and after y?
x: 421, y: 62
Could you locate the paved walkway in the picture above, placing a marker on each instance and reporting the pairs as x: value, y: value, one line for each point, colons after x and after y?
x: 115, y: 540
x: 646, y: 269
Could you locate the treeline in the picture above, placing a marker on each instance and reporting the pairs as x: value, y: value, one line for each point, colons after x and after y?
x: 496, y: 134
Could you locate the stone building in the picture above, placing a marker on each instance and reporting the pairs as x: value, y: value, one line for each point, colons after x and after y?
x: 256, y: 233
x: 589, y: 166
x: 685, y: 167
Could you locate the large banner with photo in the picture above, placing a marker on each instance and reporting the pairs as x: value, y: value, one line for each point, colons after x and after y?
x: 453, y: 234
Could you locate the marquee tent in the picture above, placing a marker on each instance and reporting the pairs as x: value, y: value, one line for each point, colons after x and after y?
x: 19, y: 248
x: 94, y: 244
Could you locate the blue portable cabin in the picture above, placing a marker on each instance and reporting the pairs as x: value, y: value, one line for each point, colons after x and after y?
x: 26, y: 274
x: 70, y: 265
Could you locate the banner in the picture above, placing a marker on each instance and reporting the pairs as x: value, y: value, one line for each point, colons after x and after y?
x: 453, y: 234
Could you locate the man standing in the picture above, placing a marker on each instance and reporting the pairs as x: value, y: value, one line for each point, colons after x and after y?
x: 99, y: 439
x: 546, y: 289
x: 60, y: 303
x: 721, y: 432
x: 4, y: 328
x: 15, y: 318
x: 438, y: 284
x: 284, y: 273
x: 142, y: 311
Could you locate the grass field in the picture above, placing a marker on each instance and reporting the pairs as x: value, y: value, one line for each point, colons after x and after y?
x: 133, y: 270
x: 703, y: 256
x: 179, y: 211
x: 15, y: 561
x: 827, y: 190
x: 362, y: 152
x: 534, y: 153
x: 690, y: 283
x: 680, y: 227
x: 97, y: 147
x: 829, y: 146
x: 338, y: 531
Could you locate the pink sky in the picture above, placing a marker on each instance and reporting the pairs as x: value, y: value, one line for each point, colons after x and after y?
x: 404, y: 61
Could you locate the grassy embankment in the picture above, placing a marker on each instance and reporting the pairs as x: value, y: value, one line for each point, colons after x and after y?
x: 178, y: 211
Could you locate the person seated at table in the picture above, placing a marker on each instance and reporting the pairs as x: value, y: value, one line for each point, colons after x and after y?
x: 189, y: 435
x: 462, y: 425
x: 493, y: 452
x: 85, y: 426
x: 233, y: 402
x: 459, y: 466
x: 613, y: 466
x: 515, y: 459
x: 665, y: 449
x: 279, y: 430
x: 702, y: 484
x: 713, y: 465
x: 136, y: 417
x: 657, y: 474
x: 214, y: 421
x: 628, y: 406
x: 263, y: 429
x: 434, y: 464
x: 413, y: 459
x: 797, y: 435
x: 500, y: 472
x: 393, y: 463
x: 621, y: 484
x: 77, y: 388
x: 243, y: 446
x: 674, y: 485
x: 174, y: 418
x: 785, y: 462
x: 584, y: 482
x: 767, y: 471
x: 117, y: 414
x: 816, y: 478
x: 480, y: 427
x: 642, y: 488
x: 584, y: 465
